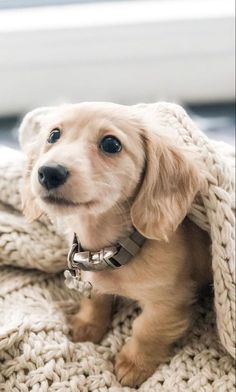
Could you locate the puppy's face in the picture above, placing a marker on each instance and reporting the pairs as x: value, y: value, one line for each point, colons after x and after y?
x: 91, y: 157
x: 85, y: 158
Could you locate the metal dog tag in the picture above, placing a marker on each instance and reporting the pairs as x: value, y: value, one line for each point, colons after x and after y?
x: 73, y: 281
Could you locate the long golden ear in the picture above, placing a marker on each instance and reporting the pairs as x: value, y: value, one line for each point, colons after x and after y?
x: 28, y: 133
x: 30, y: 208
x: 171, y: 181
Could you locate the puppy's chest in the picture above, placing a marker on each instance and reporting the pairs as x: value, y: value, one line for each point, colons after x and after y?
x: 146, y: 274
x: 108, y: 282
x: 128, y: 281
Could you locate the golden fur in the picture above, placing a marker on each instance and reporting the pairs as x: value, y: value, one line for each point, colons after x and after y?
x: 150, y: 184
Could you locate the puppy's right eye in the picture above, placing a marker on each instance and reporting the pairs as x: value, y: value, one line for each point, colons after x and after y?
x: 54, y: 136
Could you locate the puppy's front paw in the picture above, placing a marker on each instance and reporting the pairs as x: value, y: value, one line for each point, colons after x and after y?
x: 84, y: 331
x: 130, y: 371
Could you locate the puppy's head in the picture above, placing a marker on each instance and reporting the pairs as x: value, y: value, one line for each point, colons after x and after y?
x: 91, y: 157
x: 81, y: 158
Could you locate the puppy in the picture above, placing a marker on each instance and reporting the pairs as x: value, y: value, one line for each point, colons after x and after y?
x: 99, y: 171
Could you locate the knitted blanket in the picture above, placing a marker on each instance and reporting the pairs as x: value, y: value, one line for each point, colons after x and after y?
x: 36, y: 353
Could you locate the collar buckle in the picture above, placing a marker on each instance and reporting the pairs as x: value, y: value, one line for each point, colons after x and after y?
x: 109, y: 257
x: 90, y: 261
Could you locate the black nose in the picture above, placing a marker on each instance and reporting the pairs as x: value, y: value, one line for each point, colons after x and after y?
x: 52, y: 175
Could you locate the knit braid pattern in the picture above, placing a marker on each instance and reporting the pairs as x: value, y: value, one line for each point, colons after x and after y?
x: 36, y: 353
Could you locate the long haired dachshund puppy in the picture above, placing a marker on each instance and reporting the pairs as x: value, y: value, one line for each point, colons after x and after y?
x: 99, y: 171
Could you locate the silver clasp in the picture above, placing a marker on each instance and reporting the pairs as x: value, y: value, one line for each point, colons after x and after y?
x: 94, y: 261
x: 90, y: 261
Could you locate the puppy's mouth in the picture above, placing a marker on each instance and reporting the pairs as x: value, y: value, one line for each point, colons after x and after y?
x: 60, y: 201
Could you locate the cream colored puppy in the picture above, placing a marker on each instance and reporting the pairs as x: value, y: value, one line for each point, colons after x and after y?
x: 100, y: 171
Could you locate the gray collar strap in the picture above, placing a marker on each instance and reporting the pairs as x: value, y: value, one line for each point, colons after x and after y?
x: 109, y: 257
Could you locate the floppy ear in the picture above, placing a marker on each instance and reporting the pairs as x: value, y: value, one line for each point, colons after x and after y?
x: 28, y: 133
x: 30, y: 208
x: 31, y: 125
x: 171, y: 181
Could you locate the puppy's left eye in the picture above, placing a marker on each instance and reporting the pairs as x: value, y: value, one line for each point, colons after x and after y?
x: 110, y: 145
x: 54, y: 136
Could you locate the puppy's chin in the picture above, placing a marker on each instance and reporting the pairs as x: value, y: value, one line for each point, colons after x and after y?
x: 58, y: 206
x: 59, y: 201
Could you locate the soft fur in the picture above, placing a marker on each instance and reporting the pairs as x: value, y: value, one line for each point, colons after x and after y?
x: 151, y: 185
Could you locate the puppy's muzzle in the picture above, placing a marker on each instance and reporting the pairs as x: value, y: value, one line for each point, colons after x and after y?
x: 52, y: 175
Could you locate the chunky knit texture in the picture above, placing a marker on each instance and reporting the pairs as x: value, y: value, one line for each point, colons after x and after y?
x: 36, y: 353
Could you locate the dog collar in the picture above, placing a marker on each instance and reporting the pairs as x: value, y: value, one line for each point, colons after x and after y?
x: 110, y: 257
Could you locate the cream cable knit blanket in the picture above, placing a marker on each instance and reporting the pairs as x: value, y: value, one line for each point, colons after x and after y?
x: 35, y: 351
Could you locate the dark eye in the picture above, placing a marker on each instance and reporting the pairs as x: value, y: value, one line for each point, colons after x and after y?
x: 54, y: 136
x: 110, y: 145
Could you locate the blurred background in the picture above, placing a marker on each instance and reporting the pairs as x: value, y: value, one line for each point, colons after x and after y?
x: 125, y: 51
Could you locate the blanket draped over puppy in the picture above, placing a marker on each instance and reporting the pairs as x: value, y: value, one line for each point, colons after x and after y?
x: 36, y: 353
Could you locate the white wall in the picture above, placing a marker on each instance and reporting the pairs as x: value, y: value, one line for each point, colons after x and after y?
x: 120, y: 51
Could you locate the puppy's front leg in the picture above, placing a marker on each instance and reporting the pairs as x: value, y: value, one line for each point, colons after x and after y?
x: 92, y: 320
x: 153, y: 332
